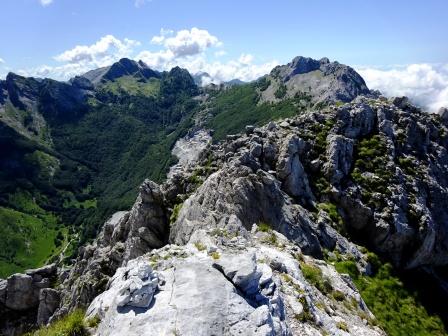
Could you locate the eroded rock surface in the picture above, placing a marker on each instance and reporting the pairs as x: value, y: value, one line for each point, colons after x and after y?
x: 230, y: 286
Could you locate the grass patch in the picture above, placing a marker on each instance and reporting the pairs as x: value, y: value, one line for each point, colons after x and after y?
x: 271, y: 239
x: 215, y: 255
x: 332, y: 211
x: 342, y: 325
x: 306, y: 314
x: 200, y: 246
x: 264, y: 227
x: 132, y: 86
x: 315, y: 277
x: 338, y: 295
x: 93, y: 322
x: 175, y: 213
x: 27, y: 240
x: 234, y: 108
x: 396, y: 309
x: 371, y: 157
x: 70, y: 325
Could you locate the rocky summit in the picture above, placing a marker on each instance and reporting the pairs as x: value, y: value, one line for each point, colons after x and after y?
x: 318, y: 223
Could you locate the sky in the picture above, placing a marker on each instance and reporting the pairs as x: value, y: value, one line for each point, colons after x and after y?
x: 399, y: 47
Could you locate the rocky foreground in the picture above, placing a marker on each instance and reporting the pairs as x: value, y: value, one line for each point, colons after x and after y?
x: 240, y: 242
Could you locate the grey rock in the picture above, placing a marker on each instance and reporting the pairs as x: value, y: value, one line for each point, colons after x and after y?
x: 20, y: 293
x: 246, y: 198
x: 49, y: 300
x: 241, y: 270
x: 3, y: 290
x: 47, y: 271
x: 237, y: 294
x: 323, y: 80
x: 290, y: 170
x: 124, y: 236
x: 340, y: 158
x: 443, y: 112
x: 188, y: 149
x: 249, y: 129
x: 358, y: 120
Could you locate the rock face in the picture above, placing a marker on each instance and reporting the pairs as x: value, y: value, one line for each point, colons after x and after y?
x: 125, y: 236
x: 189, y: 149
x: 62, y: 102
x: 223, y: 202
x: 376, y: 163
x: 322, y: 80
x: 244, y: 287
x: 48, y: 303
x: 340, y: 157
x: 22, y: 296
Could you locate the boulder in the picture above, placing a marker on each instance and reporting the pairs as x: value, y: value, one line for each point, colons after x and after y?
x: 21, y: 294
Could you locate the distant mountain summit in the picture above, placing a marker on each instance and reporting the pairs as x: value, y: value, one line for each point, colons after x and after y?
x: 323, y: 80
x: 124, y: 67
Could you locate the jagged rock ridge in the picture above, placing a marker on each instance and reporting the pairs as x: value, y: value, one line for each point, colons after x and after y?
x: 324, y: 81
x: 269, y: 176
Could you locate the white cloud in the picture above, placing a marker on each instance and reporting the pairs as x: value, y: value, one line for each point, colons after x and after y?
x: 61, y: 72
x: 188, y: 49
x: 45, y: 2
x: 220, y: 53
x: 246, y: 59
x: 218, y: 71
x: 2, y: 60
x: 83, y: 58
x: 140, y: 3
x: 101, y: 53
x: 425, y: 84
x: 196, y: 50
x: 186, y: 42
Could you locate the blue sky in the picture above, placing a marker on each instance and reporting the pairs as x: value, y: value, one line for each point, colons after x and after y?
x: 242, y: 38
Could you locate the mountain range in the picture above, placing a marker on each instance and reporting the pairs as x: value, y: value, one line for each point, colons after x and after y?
x: 312, y: 203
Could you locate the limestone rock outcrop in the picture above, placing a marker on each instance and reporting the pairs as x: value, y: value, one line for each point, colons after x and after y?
x: 217, y: 285
x: 321, y: 80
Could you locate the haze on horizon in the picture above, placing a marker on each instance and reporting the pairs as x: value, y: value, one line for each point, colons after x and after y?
x: 399, y: 48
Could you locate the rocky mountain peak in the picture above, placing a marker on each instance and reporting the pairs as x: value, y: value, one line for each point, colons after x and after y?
x: 124, y: 67
x: 324, y: 81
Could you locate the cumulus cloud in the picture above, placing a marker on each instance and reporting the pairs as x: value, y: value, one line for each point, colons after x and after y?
x: 425, y: 84
x: 246, y: 59
x: 140, y: 3
x: 217, y: 71
x: 62, y: 72
x: 45, y: 2
x: 101, y: 53
x: 195, y: 49
x: 189, y: 49
x: 2, y: 60
x: 220, y: 53
x: 186, y: 42
x: 83, y: 58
